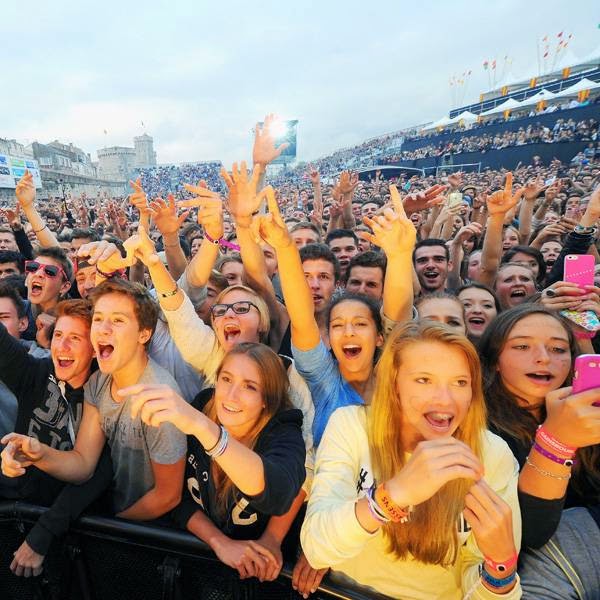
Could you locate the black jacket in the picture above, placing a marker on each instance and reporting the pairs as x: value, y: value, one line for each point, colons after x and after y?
x: 44, y: 412
x: 281, y: 448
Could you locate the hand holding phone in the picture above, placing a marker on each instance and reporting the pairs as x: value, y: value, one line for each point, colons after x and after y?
x: 586, y: 373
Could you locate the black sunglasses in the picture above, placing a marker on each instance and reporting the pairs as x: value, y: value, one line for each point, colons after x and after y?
x: 33, y: 266
x: 239, y: 308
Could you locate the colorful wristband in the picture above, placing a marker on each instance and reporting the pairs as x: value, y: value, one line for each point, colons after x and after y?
x: 561, y: 460
x: 105, y: 275
x: 498, y: 583
x: 553, y: 443
x: 375, y: 510
x: 222, y: 242
x: 395, y: 513
x: 503, y: 566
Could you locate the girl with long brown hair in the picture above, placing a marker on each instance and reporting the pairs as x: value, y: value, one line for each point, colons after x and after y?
x: 527, y: 356
x: 245, y: 459
x: 412, y: 496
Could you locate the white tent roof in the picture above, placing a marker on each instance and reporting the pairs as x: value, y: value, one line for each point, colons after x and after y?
x: 466, y: 116
x: 510, y: 104
x: 580, y: 86
x: 541, y: 95
x: 439, y: 123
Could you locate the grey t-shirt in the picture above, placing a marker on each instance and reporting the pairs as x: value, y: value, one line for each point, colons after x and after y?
x: 133, y: 444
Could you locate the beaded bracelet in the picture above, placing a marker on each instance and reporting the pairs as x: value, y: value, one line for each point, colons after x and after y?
x: 560, y: 460
x: 547, y: 473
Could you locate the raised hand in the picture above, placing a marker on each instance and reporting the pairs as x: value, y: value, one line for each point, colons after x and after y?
x: 468, y: 231
x: 422, y: 200
x: 271, y: 227
x: 165, y: 215
x: 348, y: 182
x: 314, y: 176
x: 159, y: 403
x: 140, y: 201
x: 21, y: 451
x: 455, y: 179
x: 392, y: 231
x: 243, y: 198
x: 264, y: 150
x: 106, y: 256
x: 25, y: 190
x: 533, y: 189
x: 490, y: 518
x: 210, y: 208
x: 141, y: 247
x: 13, y: 216
x: 500, y: 202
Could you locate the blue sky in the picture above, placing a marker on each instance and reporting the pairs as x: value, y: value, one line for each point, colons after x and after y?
x: 200, y: 74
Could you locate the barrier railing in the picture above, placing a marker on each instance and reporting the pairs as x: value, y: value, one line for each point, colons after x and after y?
x: 104, y: 559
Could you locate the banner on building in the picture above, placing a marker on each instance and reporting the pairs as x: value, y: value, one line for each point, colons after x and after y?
x: 12, y: 169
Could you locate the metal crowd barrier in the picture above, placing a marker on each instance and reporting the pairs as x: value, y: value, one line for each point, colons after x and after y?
x: 106, y: 559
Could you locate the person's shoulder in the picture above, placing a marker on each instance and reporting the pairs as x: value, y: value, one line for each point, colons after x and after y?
x: 497, y: 455
x: 348, y: 418
x: 97, y: 382
x: 155, y: 373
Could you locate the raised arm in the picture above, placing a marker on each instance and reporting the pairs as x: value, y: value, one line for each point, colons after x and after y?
x: 25, y: 193
x: 499, y: 203
x: 168, y: 222
x: 210, y: 217
x: 532, y: 190
x: 243, y: 202
x: 297, y: 294
x: 395, y: 234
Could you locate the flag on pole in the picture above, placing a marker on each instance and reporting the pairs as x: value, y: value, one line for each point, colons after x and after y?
x: 559, y: 35
x: 105, y: 132
x: 142, y: 123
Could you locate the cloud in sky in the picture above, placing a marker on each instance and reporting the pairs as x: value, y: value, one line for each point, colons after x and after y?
x: 199, y: 75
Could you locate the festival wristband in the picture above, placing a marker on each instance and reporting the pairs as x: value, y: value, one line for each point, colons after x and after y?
x: 561, y: 460
x: 222, y: 242
x: 374, y: 509
x: 553, y: 443
x: 394, y: 512
x: 504, y: 566
x: 105, y: 275
x: 498, y: 583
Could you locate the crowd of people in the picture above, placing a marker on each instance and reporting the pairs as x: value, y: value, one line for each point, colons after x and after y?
x: 563, y: 131
x: 400, y: 377
x: 164, y: 179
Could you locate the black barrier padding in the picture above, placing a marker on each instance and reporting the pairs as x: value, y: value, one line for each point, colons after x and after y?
x: 105, y: 559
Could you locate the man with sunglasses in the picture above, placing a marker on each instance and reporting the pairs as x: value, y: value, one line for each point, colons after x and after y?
x: 49, y: 277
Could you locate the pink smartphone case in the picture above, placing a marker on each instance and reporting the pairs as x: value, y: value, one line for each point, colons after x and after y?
x: 579, y: 269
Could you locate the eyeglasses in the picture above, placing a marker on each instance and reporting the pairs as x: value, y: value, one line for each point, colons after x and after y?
x: 33, y: 266
x: 239, y: 308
